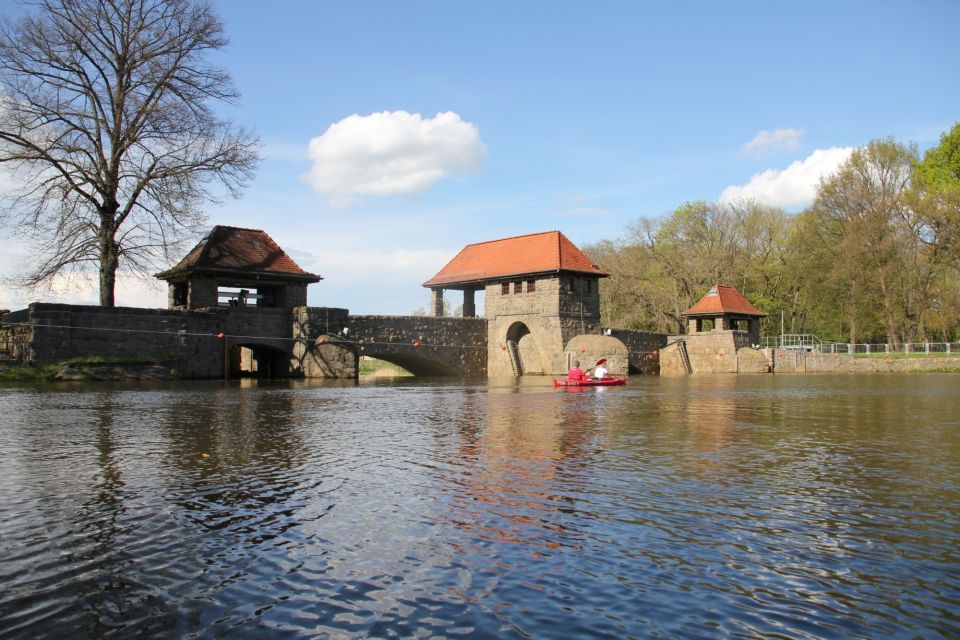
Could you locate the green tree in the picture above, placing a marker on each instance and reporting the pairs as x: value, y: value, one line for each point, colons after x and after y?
x: 106, y: 122
x: 876, y: 259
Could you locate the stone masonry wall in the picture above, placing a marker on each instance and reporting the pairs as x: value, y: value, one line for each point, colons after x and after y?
x: 445, y: 346
x: 185, y: 340
x: 558, y: 309
x: 320, y: 350
x: 643, y: 349
x: 798, y: 361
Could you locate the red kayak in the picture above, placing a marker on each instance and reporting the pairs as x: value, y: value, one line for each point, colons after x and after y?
x: 590, y: 382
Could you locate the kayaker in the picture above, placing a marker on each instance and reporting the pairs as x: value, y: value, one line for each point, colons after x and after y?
x: 576, y: 373
x: 600, y: 372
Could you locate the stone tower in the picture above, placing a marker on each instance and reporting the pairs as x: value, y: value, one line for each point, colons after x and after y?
x: 540, y: 291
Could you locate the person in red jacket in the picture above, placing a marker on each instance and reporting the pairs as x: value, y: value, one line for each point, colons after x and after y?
x: 576, y: 373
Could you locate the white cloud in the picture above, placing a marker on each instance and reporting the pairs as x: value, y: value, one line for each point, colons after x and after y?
x: 772, y: 140
x: 794, y: 186
x: 391, y: 153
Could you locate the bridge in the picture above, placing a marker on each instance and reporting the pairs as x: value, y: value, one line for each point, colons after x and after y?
x: 424, y: 346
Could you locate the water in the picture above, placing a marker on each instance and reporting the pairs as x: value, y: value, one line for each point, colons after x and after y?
x: 722, y: 506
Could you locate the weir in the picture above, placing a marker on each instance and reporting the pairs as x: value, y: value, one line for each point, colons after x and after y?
x: 237, y: 307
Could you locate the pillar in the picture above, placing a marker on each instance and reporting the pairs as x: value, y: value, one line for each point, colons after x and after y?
x: 436, y: 303
x: 469, y: 306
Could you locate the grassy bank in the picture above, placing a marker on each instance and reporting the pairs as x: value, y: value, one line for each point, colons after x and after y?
x: 81, y: 367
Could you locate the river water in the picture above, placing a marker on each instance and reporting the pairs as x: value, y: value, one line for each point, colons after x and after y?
x: 813, y: 506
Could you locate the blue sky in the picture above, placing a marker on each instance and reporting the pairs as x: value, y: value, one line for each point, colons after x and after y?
x: 396, y: 133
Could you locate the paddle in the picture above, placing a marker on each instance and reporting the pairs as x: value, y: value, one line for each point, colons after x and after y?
x: 599, y: 362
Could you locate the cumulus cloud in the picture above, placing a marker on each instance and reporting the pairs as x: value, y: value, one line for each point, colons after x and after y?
x: 791, y: 187
x: 766, y: 141
x: 391, y: 153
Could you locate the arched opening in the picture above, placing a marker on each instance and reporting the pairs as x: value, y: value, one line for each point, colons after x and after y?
x: 415, y: 364
x: 258, y: 361
x: 523, y: 350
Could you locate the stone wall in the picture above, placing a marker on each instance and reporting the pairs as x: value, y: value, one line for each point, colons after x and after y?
x: 799, y: 361
x: 320, y: 350
x: 643, y: 349
x: 542, y: 321
x: 186, y: 341
x: 424, y: 345
x: 717, y: 351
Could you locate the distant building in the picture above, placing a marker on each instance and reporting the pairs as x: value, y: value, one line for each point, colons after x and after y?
x: 237, y: 267
x: 727, y: 310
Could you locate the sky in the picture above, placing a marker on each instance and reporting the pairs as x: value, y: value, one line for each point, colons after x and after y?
x: 396, y: 133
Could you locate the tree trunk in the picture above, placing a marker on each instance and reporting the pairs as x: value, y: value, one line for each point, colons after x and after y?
x: 109, y: 257
x: 889, y: 316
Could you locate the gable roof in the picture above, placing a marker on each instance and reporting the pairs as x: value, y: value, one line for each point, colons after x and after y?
x: 723, y: 299
x: 536, y: 253
x: 233, y: 250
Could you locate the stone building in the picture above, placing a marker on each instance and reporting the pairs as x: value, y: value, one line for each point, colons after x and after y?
x: 723, y: 308
x: 256, y: 287
x: 237, y: 267
x: 540, y: 292
x: 723, y: 332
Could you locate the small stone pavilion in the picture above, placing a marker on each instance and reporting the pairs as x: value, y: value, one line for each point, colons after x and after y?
x: 540, y: 291
x: 235, y: 267
x: 723, y: 330
x: 725, y: 309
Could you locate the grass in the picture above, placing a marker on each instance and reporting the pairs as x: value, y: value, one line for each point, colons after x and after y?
x: 26, y: 373
x: 368, y: 366
x: 904, y: 356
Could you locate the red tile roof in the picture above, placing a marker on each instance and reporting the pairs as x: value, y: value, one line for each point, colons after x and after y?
x: 241, y: 251
x: 546, y: 252
x: 723, y: 299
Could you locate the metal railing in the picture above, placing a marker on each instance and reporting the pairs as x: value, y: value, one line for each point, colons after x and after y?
x: 810, y: 342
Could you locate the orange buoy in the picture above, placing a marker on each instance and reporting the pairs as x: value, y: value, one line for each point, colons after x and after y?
x: 221, y: 336
x: 416, y: 344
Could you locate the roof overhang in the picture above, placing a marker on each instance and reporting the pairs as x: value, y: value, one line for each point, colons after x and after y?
x: 223, y: 274
x: 482, y: 282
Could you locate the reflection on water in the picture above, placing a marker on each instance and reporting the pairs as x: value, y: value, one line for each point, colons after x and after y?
x: 768, y: 506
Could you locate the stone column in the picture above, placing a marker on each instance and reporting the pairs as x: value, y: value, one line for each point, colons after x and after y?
x: 469, y: 306
x: 436, y: 303
x: 754, y: 329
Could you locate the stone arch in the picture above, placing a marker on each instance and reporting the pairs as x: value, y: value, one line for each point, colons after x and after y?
x: 415, y: 363
x: 528, y: 348
x: 256, y: 360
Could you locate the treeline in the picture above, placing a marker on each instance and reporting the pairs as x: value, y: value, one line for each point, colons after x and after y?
x: 875, y: 258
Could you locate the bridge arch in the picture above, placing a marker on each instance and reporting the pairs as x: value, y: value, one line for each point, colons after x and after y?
x: 415, y: 363
x: 257, y: 360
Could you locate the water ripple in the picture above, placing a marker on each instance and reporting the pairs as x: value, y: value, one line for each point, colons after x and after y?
x: 772, y: 506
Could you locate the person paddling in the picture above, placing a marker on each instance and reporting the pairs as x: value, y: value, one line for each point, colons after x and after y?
x: 576, y: 373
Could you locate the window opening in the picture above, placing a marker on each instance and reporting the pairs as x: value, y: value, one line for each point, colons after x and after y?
x: 531, y: 286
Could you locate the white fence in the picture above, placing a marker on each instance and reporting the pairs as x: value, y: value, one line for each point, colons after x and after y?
x: 810, y: 342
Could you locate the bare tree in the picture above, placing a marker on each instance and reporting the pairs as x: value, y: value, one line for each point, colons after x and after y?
x: 106, y: 123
